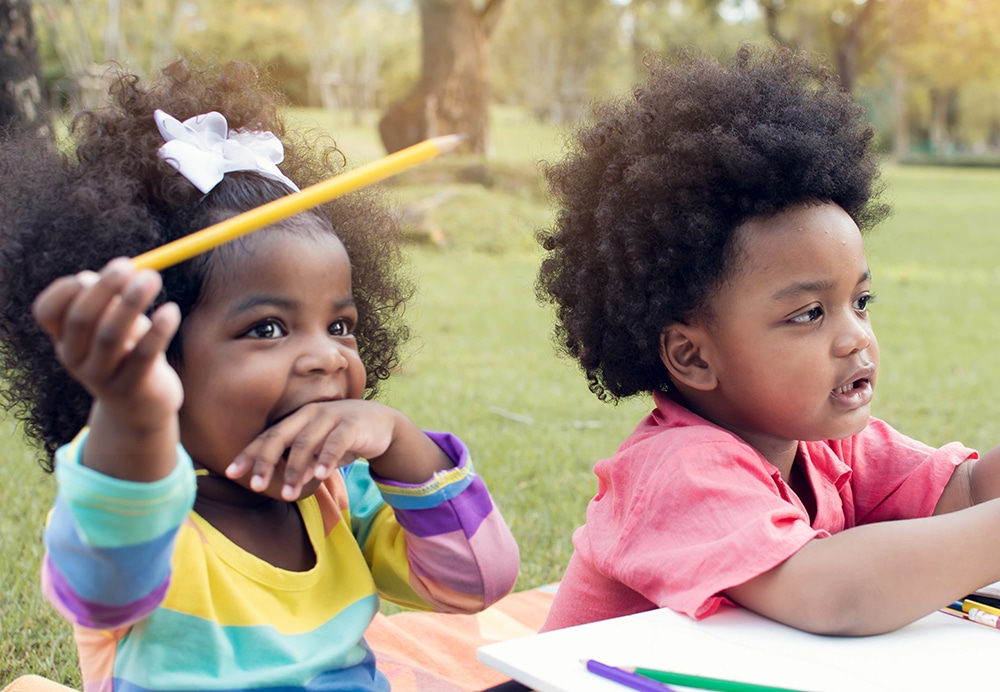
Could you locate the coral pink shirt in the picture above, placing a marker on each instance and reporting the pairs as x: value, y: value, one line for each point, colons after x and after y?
x: 685, y: 509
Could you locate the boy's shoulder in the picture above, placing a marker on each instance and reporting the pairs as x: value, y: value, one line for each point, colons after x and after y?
x: 679, y: 425
x: 671, y: 433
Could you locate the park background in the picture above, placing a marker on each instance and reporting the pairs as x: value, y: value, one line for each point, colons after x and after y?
x: 517, y: 74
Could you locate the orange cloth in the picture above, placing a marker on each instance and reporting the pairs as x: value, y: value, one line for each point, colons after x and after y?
x: 35, y: 683
x: 436, y: 652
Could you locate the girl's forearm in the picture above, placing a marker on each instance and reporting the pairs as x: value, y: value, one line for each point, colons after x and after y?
x: 412, y: 457
x: 130, y: 453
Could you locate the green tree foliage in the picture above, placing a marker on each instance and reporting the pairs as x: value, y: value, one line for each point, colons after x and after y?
x: 945, y: 51
x: 304, y: 44
x: 926, y: 68
x: 553, y: 56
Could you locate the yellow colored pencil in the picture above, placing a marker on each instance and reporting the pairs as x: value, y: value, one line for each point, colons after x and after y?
x: 969, y: 603
x: 187, y: 247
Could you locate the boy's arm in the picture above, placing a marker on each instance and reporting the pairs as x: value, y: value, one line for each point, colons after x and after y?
x: 974, y: 481
x: 878, y: 577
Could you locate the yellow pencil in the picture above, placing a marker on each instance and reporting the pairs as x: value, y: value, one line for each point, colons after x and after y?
x: 968, y: 604
x: 314, y: 195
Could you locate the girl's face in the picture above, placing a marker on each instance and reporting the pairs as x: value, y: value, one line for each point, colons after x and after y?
x: 791, y: 345
x: 273, y: 331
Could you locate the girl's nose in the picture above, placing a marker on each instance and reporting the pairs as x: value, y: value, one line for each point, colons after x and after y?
x: 322, y: 354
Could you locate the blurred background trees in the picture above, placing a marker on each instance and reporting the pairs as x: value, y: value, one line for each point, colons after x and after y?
x: 20, y: 77
x: 924, y: 68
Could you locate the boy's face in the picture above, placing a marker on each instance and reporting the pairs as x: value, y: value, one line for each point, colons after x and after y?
x: 790, y: 343
x: 273, y: 331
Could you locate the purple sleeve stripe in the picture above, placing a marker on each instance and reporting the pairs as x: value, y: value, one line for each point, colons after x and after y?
x: 465, y: 512
x: 447, y: 560
x: 450, y: 445
x: 97, y: 615
x: 447, y: 567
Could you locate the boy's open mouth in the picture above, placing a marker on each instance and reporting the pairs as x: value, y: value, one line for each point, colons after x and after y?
x: 848, y: 388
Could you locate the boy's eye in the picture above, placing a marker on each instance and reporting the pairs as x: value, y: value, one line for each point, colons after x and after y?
x: 266, y: 330
x: 341, y: 328
x: 863, y: 302
x: 810, y: 315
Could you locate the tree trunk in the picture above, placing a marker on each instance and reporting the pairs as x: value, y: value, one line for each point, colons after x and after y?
x: 453, y: 93
x: 771, y: 11
x: 901, y: 124
x: 20, y: 83
x: 847, y: 61
x: 942, y: 116
x: 850, y: 42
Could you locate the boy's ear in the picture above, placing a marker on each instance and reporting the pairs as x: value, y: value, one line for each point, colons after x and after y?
x: 682, y: 350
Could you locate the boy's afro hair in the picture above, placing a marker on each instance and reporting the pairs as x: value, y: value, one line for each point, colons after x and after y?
x: 652, y: 189
x: 104, y: 192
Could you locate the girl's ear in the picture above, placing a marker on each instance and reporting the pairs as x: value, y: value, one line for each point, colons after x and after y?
x: 682, y: 350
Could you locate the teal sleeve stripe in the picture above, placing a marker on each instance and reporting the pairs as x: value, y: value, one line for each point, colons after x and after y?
x: 364, y: 498
x: 111, y: 512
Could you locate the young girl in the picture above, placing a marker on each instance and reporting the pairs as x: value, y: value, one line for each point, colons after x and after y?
x: 212, y: 529
x: 708, y: 248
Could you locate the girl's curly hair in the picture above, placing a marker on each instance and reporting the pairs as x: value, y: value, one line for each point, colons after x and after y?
x: 652, y: 189
x: 108, y: 194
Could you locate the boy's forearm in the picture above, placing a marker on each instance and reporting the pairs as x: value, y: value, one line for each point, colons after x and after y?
x: 878, y: 577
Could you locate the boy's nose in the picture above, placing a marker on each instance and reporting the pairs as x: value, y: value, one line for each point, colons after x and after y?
x: 856, y: 336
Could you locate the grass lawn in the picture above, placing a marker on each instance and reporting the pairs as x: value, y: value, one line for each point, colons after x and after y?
x: 482, y: 364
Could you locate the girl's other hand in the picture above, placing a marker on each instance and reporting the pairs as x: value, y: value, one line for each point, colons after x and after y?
x: 322, y: 436
x: 103, y: 338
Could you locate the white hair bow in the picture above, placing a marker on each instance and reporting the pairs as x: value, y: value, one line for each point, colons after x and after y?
x: 203, y: 149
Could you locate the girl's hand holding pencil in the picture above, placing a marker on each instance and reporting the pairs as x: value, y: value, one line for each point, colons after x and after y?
x: 103, y: 338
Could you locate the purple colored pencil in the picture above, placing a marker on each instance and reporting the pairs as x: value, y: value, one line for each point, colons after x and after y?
x: 624, y: 677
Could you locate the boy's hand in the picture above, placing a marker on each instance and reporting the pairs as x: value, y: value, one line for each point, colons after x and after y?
x: 104, y: 340
x: 323, y: 436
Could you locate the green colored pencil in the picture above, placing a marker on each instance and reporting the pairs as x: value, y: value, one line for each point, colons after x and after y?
x: 702, y: 683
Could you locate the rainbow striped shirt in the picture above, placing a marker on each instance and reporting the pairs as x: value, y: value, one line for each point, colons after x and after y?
x: 160, y: 600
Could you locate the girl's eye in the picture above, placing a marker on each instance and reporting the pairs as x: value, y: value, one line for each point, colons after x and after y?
x: 341, y: 328
x: 266, y: 330
x: 810, y: 315
x: 862, y: 303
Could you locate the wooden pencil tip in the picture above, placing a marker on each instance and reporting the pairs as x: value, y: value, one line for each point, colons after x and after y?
x: 449, y: 143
